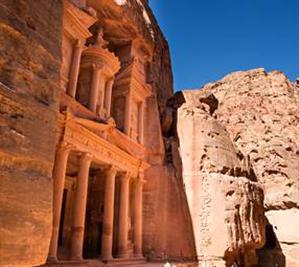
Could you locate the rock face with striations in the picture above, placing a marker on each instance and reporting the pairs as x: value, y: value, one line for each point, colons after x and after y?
x: 260, y: 112
x: 29, y: 78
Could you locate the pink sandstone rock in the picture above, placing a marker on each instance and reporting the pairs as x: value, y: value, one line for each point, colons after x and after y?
x: 260, y: 113
x: 225, y: 201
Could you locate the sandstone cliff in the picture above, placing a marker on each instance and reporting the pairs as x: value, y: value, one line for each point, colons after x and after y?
x: 225, y: 201
x: 30, y: 63
x: 257, y: 113
x: 29, y: 77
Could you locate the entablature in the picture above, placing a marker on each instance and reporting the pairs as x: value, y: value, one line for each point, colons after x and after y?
x: 76, y: 22
x: 84, y: 140
x: 101, y: 58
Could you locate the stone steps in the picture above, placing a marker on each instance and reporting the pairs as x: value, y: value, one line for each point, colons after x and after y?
x: 114, y: 263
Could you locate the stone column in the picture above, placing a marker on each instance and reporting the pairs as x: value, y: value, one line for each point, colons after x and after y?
x: 137, y: 224
x: 80, y: 207
x: 107, y: 234
x: 141, y: 122
x: 94, y: 89
x: 59, y: 172
x: 108, y: 96
x: 123, y: 221
x: 75, y: 68
x: 128, y: 111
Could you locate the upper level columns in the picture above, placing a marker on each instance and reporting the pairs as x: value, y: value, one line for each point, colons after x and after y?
x: 108, y: 97
x: 94, y: 89
x: 141, y: 122
x: 80, y: 207
x: 107, y: 234
x: 128, y: 111
x: 75, y: 68
x: 123, y: 222
x: 103, y: 64
x: 59, y: 172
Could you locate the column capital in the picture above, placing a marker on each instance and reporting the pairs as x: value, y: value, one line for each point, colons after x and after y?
x: 96, y: 66
x: 111, y: 169
x: 80, y: 43
x: 66, y: 147
x: 86, y: 157
x: 126, y: 176
x: 140, y: 182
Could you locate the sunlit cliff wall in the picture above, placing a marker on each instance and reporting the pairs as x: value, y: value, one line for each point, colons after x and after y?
x: 30, y: 54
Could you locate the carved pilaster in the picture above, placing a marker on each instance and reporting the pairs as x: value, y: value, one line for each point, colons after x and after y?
x: 75, y: 68
x: 108, y: 97
x: 128, y: 111
x: 138, y: 205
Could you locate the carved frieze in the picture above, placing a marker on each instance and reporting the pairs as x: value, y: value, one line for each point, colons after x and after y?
x: 102, y: 151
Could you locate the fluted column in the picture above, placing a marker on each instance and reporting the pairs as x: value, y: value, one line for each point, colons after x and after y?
x: 79, y: 210
x: 141, y: 122
x: 94, y: 89
x: 123, y: 221
x: 138, y: 216
x: 107, y: 234
x: 108, y: 97
x: 128, y: 111
x: 59, y: 172
x: 75, y: 68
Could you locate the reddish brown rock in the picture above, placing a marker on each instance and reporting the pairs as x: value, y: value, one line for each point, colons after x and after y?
x: 88, y: 170
x: 82, y: 81
x: 29, y: 79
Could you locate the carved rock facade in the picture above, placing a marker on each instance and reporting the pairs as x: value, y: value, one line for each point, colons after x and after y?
x: 100, y: 163
x: 83, y: 172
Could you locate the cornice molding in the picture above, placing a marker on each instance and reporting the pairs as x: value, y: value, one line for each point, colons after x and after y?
x: 102, y: 151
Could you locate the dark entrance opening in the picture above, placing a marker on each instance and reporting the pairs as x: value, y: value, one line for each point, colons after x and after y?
x: 94, y: 217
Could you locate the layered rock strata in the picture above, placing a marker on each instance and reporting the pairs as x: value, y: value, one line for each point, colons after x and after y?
x: 30, y: 56
x: 40, y: 55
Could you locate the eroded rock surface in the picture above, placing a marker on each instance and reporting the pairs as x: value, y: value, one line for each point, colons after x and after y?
x: 29, y: 78
x: 259, y: 111
x: 225, y: 201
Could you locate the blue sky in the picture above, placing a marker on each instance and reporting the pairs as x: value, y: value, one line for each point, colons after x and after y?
x: 211, y: 38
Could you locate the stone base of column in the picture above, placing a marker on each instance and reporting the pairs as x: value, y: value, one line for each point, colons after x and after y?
x: 52, y: 259
x: 106, y: 260
x: 123, y: 256
x: 139, y: 256
x: 125, y: 261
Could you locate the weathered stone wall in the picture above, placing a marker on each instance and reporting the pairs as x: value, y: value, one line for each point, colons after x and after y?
x: 225, y: 201
x: 168, y: 231
x: 260, y: 112
x: 30, y: 53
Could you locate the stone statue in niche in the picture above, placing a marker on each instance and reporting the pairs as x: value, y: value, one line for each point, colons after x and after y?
x: 100, y: 41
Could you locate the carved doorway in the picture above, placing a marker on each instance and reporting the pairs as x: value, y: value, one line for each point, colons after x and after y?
x: 94, y: 216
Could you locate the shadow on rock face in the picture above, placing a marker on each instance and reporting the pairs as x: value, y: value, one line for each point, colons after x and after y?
x: 271, y: 253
